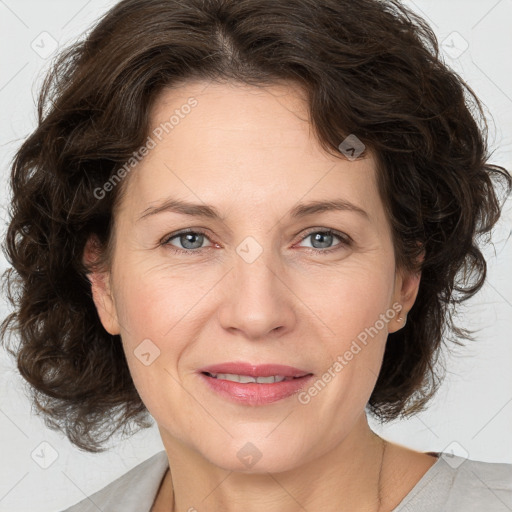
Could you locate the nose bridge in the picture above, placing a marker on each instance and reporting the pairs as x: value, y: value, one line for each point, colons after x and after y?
x: 253, y: 269
x: 256, y: 301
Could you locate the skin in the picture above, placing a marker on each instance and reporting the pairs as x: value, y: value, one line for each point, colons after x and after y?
x: 293, y: 305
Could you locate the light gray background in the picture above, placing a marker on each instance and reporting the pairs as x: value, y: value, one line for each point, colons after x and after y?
x: 472, y: 414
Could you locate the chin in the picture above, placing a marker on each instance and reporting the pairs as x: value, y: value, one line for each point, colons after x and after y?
x: 256, y: 457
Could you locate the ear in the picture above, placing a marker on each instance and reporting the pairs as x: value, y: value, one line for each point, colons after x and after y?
x: 100, y: 286
x: 407, y: 283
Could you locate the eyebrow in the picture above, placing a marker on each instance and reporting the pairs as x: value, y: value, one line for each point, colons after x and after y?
x: 208, y: 211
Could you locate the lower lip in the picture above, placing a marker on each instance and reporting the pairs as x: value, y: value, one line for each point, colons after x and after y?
x: 253, y: 393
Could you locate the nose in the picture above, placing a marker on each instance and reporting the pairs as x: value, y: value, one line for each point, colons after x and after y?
x: 257, y: 303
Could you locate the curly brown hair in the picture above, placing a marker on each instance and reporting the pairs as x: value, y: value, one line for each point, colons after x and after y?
x: 368, y: 67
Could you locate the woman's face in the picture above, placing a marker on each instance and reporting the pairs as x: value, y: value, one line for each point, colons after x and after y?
x: 262, y: 283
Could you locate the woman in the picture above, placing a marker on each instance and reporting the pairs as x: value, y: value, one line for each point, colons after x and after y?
x: 252, y: 219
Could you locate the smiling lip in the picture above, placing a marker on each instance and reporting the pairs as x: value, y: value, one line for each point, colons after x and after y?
x: 255, y: 393
x: 260, y: 370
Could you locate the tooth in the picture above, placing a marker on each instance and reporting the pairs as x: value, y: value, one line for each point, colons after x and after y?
x: 246, y: 379
x: 265, y: 380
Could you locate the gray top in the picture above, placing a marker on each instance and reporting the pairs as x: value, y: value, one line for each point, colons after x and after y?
x: 452, y: 484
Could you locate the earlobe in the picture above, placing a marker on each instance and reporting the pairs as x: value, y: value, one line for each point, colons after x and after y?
x: 406, y: 290
x: 104, y: 301
x: 409, y: 289
x: 101, y: 287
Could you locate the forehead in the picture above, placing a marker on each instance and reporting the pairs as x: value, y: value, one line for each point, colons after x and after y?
x: 230, y: 115
x: 224, y: 142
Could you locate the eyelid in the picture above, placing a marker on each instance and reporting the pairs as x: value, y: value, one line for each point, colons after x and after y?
x: 346, y: 240
x: 343, y: 236
x: 199, y: 231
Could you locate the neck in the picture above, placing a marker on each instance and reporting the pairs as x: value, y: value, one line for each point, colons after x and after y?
x: 350, y: 475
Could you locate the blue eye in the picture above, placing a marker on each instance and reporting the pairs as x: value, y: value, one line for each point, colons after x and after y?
x: 191, y: 241
x: 325, y: 238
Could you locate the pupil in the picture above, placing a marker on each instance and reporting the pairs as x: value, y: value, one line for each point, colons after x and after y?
x: 186, y: 240
x: 319, y: 236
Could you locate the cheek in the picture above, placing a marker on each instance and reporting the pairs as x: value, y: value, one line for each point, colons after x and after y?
x: 349, y: 299
x: 154, y: 301
x: 161, y: 311
x: 355, y: 310
x: 157, y: 323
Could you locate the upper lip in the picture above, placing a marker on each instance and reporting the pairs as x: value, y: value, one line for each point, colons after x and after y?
x: 255, y: 370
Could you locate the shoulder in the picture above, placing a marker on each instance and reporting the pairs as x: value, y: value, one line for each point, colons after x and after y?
x: 457, y: 484
x: 134, y: 491
x: 487, y: 484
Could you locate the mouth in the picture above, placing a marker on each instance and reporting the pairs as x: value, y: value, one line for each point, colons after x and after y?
x: 248, y: 379
x: 250, y: 384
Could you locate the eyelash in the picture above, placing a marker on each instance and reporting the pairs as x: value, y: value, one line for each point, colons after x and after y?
x: 345, y: 241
